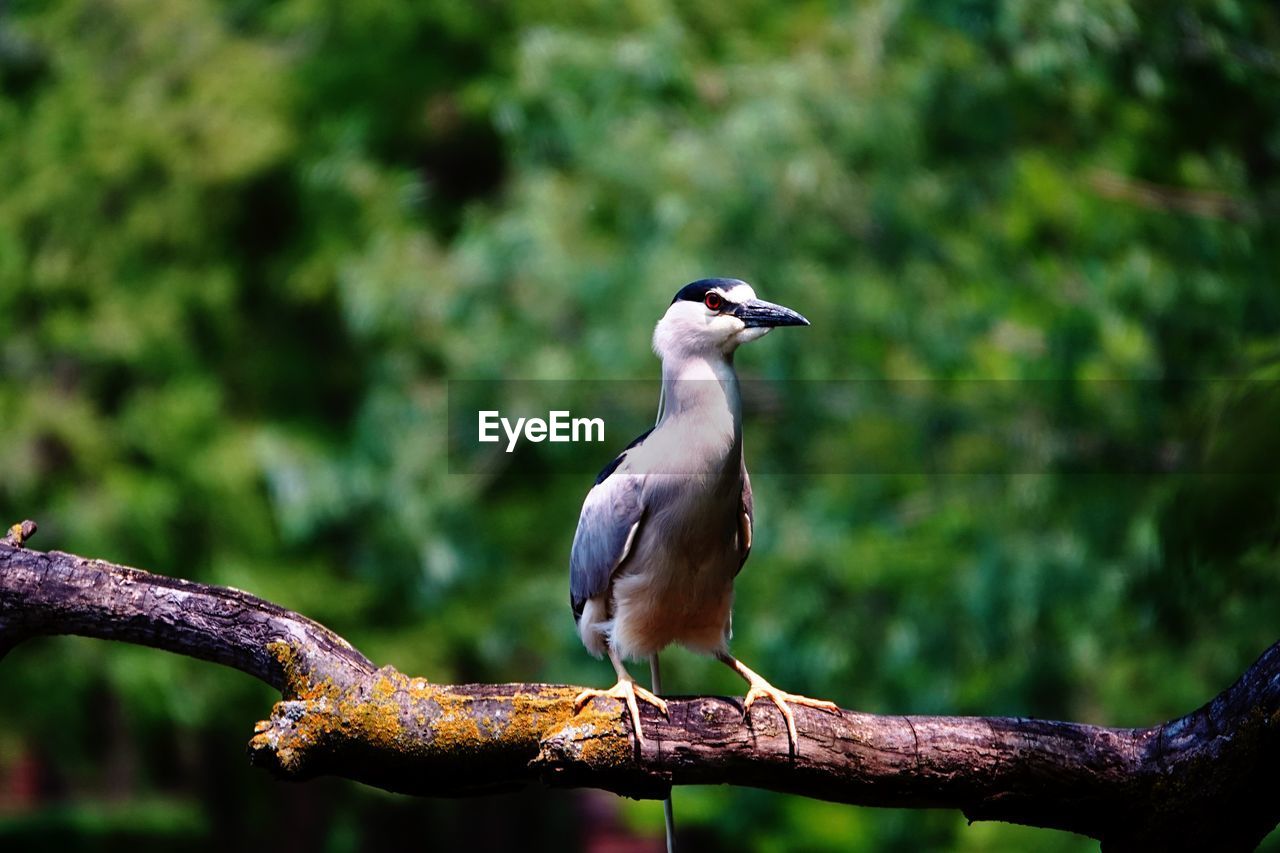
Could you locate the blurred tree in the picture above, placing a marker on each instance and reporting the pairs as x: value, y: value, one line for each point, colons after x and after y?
x: 244, y: 247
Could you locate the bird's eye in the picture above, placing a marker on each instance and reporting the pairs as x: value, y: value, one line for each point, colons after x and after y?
x: 714, y: 301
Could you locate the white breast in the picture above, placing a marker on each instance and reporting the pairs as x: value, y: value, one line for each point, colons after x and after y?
x: 677, y: 584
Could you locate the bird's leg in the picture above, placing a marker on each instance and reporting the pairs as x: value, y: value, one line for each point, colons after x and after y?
x: 761, y: 688
x: 625, y: 690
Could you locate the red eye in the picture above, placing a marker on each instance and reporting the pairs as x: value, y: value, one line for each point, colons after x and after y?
x: 713, y: 300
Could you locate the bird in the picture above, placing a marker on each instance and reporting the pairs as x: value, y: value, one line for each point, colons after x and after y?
x: 667, y: 526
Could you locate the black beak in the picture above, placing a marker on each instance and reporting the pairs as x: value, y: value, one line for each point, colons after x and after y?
x: 757, y: 312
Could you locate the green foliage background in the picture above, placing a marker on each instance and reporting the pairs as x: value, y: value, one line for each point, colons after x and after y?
x: 244, y: 245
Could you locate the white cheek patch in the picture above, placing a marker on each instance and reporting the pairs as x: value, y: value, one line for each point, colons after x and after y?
x: 724, y: 325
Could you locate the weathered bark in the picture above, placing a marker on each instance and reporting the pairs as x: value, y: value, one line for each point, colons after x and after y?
x: 1203, y: 781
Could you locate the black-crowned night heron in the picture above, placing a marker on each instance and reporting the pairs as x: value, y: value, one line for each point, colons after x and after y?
x: 667, y: 526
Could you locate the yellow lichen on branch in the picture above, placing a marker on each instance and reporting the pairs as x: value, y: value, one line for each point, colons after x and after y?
x: 397, y: 719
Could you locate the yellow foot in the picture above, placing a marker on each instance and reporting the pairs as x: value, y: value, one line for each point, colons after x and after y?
x: 761, y: 688
x: 627, y: 691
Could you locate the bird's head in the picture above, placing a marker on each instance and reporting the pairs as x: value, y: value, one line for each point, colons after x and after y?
x: 717, y: 315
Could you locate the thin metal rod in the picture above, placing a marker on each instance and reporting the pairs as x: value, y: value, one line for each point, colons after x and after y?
x: 668, y: 808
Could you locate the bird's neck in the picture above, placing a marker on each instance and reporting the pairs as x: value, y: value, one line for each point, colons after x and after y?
x: 703, y: 389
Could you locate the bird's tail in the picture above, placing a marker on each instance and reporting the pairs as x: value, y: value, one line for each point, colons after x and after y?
x: 668, y: 810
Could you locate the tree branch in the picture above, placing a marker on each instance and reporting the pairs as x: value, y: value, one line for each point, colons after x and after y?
x: 1202, y: 781
x: 1210, y: 204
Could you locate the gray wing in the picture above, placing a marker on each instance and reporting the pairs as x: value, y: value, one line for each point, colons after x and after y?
x: 610, y: 519
x: 746, y: 519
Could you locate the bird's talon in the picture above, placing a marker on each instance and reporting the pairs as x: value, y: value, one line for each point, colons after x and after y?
x: 627, y: 692
x: 654, y: 700
x: 580, y: 701
x: 759, y: 688
x: 820, y: 704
